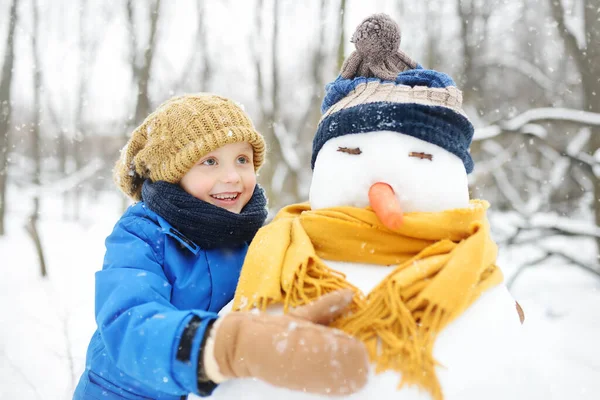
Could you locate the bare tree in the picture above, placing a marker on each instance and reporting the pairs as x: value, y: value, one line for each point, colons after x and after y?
x: 5, y: 108
x: 309, y: 119
x: 84, y: 68
x: 433, y: 33
x: 32, y: 226
x: 141, y: 66
x: 198, y: 70
x: 474, y: 16
x: 273, y: 174
x: 342, y: 36
x: 558, y: 164
x: 201, y: 40
x: 586, y: 57
x: 255, y: 38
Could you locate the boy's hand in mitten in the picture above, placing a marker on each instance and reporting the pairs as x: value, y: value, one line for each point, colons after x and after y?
x: 294, y: 351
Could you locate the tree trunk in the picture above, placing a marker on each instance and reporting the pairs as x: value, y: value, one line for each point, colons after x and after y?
x: 307, y: 124
x: 432, y: 33
x: 5, y: 109
x: 270, y: 114
x: 342, y: 37
x: 141, y: 73
x: 78, y: 141
x: 591, y: 84
x: 31, y: 226
x: 201, y: 39
x: 474, y: 17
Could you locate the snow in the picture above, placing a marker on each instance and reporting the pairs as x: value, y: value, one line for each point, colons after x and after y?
x: 47, y: 323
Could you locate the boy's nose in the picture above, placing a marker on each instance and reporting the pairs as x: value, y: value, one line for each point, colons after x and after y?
x: 230, y: 175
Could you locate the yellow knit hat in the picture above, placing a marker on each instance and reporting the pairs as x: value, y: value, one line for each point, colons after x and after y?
x: 175, y: 136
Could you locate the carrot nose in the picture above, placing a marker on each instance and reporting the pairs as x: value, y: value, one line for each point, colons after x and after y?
x: 386, y: 205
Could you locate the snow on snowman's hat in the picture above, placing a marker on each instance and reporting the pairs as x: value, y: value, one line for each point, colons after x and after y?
x: 380, y: 88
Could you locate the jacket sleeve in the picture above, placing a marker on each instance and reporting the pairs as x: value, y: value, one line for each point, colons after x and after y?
x: 147, y: 337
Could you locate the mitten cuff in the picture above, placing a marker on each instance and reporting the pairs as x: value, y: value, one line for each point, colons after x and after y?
x: 211, y: 367
x: 187, y: 354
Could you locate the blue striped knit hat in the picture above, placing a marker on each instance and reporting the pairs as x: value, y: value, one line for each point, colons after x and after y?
x: 381, y: 89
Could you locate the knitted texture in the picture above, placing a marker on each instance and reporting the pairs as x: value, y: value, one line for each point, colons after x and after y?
x: 434, y: 124
x: 382, y: 89
x: 207, y: 225
x: 181, y: 131
x: 377, y: 41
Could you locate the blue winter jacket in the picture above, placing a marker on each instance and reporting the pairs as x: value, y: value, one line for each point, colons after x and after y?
x: 155, y: 296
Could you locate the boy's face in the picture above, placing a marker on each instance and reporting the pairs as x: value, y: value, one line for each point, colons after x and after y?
x: 224, y: 177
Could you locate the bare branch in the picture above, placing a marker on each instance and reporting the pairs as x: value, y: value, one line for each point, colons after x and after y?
x: 507, y: 189
x: 288, y: 148
x: 342, y: 37
x: 256, y: 55
x: 558, y: 13
x: 523, y: 67
x: 526, y: 266
x: 501, y: 154
x: 20, y: 372
x: 552, y: 114
x: 581, y: 159
x: 69, y: 355
x: 6, y: 107
x: 581, y: 264
x: 548, y: 254
x: 67, y: 183
x: 538, y: 114
x: 564, y: 226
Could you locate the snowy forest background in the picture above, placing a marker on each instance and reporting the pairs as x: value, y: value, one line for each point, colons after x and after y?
x: 78, y: 75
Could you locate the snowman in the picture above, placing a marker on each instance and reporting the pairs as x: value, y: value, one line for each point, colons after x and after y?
x: 389, y: 216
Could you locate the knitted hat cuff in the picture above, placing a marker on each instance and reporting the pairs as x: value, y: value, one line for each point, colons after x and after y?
x: 173, y: 168
x: 434, y: 124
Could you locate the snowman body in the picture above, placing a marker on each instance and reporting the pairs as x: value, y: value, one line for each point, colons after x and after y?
x: 479, y: 351
x: 472, y: 369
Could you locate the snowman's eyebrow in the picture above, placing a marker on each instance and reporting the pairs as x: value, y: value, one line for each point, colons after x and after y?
x: 421, y: 155
x: 355, y: 150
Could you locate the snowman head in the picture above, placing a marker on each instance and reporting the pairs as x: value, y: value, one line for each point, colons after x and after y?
x: 389, y: 123
x: 423, y: 176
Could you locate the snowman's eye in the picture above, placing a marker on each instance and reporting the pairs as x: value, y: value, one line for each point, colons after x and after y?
x: 421, y: 155
x: 349, y: 150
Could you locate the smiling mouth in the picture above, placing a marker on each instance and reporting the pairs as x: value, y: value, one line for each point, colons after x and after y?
x: 226, y: 197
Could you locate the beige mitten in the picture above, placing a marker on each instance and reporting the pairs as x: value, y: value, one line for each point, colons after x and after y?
x: 294, y: 351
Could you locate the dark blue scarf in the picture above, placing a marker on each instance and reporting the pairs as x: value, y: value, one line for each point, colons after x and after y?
x: 205, y: 224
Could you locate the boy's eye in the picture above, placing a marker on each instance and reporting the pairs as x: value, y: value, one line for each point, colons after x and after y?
x: 209, y: 162
x: 243, y: 160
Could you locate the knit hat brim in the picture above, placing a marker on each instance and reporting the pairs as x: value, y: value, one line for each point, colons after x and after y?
x: 434, y: 124
x: 185, y: 159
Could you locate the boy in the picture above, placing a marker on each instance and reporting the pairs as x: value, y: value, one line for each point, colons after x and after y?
x: 173, y: 261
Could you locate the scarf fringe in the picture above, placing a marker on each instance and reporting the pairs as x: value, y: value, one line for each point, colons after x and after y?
x: 383, y: 322
x: 396, y: 340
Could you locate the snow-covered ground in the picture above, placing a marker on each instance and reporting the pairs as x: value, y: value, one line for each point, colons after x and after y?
x: 45, y: 324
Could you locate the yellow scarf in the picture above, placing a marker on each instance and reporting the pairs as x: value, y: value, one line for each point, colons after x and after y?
x: 439, y: 265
